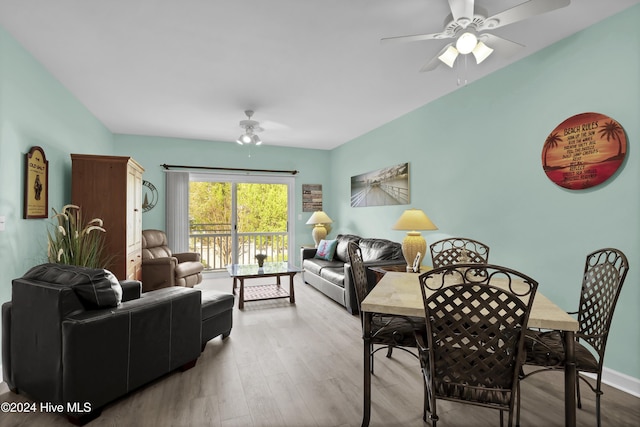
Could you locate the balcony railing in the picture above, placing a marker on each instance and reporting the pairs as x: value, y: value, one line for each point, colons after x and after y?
x: 214, y: 244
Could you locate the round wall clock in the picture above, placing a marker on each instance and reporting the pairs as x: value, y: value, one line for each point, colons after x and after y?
x: 583, y: 151
x: 149, y: 196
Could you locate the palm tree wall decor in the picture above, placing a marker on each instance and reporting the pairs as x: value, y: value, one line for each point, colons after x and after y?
x: 584, y: 150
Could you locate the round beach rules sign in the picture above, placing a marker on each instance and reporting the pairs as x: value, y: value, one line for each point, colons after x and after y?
x: 583, y: 151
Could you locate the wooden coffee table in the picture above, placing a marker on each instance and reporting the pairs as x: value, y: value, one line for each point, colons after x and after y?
x: 261, y: 292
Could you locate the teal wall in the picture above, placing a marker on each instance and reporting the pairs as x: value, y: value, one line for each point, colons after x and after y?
x: 475, y: 164
x: 480, y: 177
x: 151, y: 152
x: 35, y: 109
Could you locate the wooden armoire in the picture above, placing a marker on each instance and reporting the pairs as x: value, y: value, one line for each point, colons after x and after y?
x: 110, y: 188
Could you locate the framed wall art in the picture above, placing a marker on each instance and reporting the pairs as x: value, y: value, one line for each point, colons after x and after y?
x: 583, y: 151
x: 311, y: 197
x: 382, y: 187
x: 36, y: 184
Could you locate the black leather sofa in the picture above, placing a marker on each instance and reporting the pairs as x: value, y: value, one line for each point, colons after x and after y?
x: 333, y: 278
x: 67, y: 341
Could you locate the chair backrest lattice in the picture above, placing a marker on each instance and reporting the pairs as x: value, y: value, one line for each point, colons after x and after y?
x: 458, y: 250
x: 604, y: 274
x: 475, y: 331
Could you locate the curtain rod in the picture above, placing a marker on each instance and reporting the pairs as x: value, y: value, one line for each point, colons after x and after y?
x: 166, y: 166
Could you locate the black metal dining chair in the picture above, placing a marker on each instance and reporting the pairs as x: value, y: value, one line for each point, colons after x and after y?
x: 387, y: 331
x: 604, y: 273
x: 471, y: 349
x: 458, y: 250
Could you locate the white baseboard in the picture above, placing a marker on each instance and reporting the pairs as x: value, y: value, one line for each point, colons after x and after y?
x: 622, y: 382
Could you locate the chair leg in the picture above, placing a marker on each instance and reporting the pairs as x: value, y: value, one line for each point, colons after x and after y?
x: 372, y: 358
x: 389, y: 350
x: 598, y: 407
x: 518, y: 405
x: 429, y: 405
x: 598, y: 396
x: 434, y: 416
x: 425, y: 403
x: 501, y: 418
x: 578, y: 390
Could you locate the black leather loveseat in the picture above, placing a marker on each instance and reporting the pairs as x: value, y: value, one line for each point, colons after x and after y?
x: 333, y: 278
x: 67, y: 341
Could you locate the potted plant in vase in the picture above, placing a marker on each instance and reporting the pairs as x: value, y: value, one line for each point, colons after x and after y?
x: 75, y: 243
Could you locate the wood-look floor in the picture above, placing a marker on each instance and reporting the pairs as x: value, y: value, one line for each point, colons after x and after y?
x: 300, y: 365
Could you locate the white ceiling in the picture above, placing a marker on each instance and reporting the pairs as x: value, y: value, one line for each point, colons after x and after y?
x: 314, y: 71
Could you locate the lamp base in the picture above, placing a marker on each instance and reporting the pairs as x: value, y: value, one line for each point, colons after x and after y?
x: 411, y: 245
x: 319, y: 232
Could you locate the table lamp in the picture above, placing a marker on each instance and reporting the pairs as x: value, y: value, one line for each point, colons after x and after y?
x: 413, y: 220
x: 319, y: 219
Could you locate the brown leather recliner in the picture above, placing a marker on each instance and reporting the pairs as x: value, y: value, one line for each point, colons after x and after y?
x: 161, y: 268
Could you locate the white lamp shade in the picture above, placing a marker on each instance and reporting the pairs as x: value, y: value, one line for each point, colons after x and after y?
x: 449, y: 56
x: 319, y: 217
x: 481, y: 52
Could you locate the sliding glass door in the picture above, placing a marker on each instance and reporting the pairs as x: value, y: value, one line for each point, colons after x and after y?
x: 232, y: 218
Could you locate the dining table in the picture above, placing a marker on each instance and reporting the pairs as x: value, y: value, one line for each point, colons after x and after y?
x: 399, y: 293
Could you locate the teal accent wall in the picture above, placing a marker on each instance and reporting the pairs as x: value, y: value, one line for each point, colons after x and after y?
x: 152, y: 152
x: 476, y: 170
x: 36, y: 110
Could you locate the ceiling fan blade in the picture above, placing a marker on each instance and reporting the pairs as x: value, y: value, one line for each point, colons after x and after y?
x: 501, y: 46
x: 431, y: 65
x: 462, y: 9
x: 414, y: 38
x: 271, y: 125
x: 522, y: 11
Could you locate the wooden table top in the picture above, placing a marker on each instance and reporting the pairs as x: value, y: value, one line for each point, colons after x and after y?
x: 399, y: 293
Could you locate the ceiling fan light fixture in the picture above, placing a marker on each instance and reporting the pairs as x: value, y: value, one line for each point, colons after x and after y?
x: 449, y: 56
x: 466, y: 43
x: 244, y: 139
x: 481, y: 52
x: 250, y: 128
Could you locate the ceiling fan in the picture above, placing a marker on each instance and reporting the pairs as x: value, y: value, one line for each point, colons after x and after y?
x: 251, y: 127
x: 466, y: 24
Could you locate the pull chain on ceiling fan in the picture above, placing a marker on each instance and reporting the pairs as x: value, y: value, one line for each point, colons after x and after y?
x: 466, y: 24
x: 251, y: 127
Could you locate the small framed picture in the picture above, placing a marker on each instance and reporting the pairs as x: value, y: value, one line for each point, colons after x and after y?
x: 311, y: 197
x: 36, y: 184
